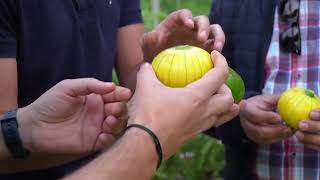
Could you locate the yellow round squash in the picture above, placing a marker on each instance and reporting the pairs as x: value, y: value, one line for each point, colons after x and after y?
x: 180, y: 65
x: 295, y: 105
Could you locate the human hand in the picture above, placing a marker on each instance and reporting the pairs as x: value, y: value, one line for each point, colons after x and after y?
x: 74, y: 117
x: 176, y: 115
x: 179, y: 28
x: 260, y: 123
x: 309, y: 131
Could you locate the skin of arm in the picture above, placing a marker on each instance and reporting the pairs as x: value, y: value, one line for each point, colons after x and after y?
x: 9, y: 85
x: 129, y: 55
x: 8, y: 164
x: 64, y: 111
x: 8, y: 96
x: 134, y: 156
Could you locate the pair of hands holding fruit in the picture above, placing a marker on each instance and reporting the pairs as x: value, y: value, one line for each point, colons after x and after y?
x: 300, y: 109
x: 78, y: 117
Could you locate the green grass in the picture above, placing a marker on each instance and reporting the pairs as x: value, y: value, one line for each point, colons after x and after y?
x: 202, y: 158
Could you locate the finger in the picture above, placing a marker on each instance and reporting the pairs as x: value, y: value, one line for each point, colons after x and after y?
x: 114, y: 126
x: 214, y: 78
x: 203, y: 26
x: 310, y: 126
x: 307, y: 138
x: 242, y: 104
x: 267, y: 134
x: 209, y: 45
x: 312, y: 146
x: 119, y: 94
x: 218, y: 36
x: 183, y: 17
x: 221, y: 102
x: 116, y: 109
x: 85, y: 86
x: 315, y: 115
x: 148, y: 41
x: 104, y: 141
x: 258, y: 116
x: 225, y: 117
x: 272, y: 100
x: 146, y: 76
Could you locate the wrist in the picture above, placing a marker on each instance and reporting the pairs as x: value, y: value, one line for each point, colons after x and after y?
x: 24, y: 120
x: 142, y: 139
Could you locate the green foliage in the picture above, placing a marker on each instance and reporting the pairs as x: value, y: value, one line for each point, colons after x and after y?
x: 115, y: 77
x: 198, y: 7
x: 202, y: 158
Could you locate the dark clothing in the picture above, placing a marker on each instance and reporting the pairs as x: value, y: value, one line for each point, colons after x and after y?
x: 54, y: 40
x: 248, y: 26
x: 58, y: 39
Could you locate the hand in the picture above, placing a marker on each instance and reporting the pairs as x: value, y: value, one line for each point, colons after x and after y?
x: 181, y: 28
x: 260, y: 123
x: 176, y: 115
x: 74, y: 117
x: 309, y: 131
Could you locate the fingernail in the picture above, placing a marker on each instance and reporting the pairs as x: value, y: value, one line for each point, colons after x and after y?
x: 303, y: 125
x: 315, y: 115
x: 146, y: 64
x: 190, y: 21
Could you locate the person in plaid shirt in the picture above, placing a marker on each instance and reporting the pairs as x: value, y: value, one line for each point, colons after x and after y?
x: 274, y: 45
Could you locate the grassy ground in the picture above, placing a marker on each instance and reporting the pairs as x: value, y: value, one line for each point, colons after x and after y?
x: 202, y: 158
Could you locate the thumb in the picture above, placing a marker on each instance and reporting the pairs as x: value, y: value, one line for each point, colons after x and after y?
x: 85, y: 86
x: 146, y: 76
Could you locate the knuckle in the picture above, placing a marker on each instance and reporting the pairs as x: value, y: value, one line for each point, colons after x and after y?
x: 202, y: 17
x: 224, y: 74
x: 64, y: 82
x: 185, y: 10
x: 196, y: 98
x: 62, y: 85
x: 217, y: 27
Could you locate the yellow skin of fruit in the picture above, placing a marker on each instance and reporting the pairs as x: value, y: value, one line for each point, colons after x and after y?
x: 295, y: 105
x: 178, y: 66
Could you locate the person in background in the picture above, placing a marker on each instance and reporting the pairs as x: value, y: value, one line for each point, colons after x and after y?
x: 274, y: 45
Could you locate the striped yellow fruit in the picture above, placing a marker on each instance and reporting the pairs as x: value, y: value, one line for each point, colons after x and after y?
x: 295, y: 105
x: 178, y: 66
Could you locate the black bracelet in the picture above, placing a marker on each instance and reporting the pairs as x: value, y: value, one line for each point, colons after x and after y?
x: 9, y: 127
x: 154, y: 138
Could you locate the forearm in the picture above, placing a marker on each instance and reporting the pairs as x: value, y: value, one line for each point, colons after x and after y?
x: 129, y: 54
x: 132, y: 157
x: 130, y: 80
x: 8, y: 84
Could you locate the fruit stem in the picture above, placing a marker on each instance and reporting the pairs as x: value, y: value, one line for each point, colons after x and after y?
x: 310, y: 93
x: 183, y: 47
